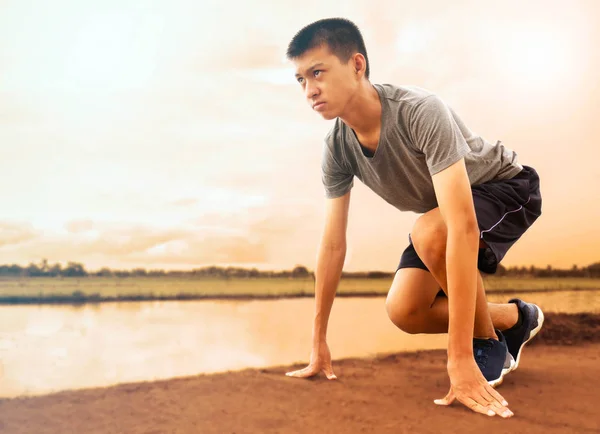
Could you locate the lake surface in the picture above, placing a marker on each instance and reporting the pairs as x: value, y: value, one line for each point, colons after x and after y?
x: 45, y: 348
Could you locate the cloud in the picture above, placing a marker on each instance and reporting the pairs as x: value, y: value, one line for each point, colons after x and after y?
x: 16, y: 233
x: 104, y: 243
x: 77, y: 226
x: 206, y: 250
x: 128, y: 240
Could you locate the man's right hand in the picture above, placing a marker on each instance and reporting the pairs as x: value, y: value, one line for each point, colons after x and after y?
x: 320, y: 360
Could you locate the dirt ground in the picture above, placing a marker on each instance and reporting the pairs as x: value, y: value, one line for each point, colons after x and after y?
x: 555, y: 390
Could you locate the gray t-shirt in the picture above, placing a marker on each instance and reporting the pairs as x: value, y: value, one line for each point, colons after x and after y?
x: 420, y: 136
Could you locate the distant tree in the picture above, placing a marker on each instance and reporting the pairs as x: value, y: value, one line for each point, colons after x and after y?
x: 10, y: 270
x: 139, y: 272
x: 32, y: 270
x: 55, y: 270
x: 44, y: 267
x: 214, y: 272
x: 300, y: 271
x: 104, y: 272
x: 593, y: 270
x: 74, y: 269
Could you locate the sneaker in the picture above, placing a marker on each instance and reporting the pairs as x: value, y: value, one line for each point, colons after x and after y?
x: 493, y: 358
x: 533, y: 318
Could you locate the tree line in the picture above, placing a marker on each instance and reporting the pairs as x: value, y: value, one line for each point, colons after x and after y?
x: 76, y: 269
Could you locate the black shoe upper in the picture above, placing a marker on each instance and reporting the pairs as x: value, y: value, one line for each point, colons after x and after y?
x: 491, y: 356
x: 517, y: 336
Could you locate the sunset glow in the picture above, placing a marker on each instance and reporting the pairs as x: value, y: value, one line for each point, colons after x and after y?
x: 174, y: 135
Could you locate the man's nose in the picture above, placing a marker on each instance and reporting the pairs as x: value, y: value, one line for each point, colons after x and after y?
x: 311, y: 90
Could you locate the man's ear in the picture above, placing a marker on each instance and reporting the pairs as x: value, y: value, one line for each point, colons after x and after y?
x: 358, y: 62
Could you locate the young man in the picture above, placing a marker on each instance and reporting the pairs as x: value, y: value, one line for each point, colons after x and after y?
x: 413, y: 150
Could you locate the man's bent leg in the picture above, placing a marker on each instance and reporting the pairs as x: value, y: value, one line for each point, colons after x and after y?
x: 429, y: 240
x: 413, y: 307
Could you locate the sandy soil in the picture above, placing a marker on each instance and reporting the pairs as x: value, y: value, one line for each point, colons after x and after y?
x: 553, y: 391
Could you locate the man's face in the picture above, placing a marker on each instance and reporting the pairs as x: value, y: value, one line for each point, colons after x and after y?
x: 327, y: 83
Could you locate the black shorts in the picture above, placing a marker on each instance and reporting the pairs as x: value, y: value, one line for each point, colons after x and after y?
x: 505, y: 209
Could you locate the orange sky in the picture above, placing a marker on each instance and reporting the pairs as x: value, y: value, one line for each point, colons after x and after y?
x: 175, y: 136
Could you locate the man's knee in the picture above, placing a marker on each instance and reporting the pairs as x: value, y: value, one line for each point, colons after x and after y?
x: 429, y: 239
x: 406, y: 318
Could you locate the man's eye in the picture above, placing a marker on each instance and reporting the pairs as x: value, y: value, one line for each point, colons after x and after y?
x: 318, y: 70
x: 300, y: 80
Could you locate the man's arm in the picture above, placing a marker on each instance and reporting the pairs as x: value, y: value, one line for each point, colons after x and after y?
x: 455, y: 200
x: 435, y: 132
x: 330, y: 262
x: 453, y: 192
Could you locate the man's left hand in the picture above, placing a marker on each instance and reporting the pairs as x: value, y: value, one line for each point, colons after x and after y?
x: 469, y: 386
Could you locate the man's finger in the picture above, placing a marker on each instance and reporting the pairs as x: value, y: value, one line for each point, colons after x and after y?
x: 329, y: 373
x: 447, y: 400
x: 493, y: 403
x: 476, y: 406
x: 306, y: 372
x: 496, y: 395
x: 476, y: 400
x: 299, y: 372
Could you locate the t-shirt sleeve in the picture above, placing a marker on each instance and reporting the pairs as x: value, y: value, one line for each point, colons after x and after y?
x: 435, y: 133
x: 337, y: 180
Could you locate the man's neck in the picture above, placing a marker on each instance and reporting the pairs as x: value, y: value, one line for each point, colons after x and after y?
x: 363, y: 112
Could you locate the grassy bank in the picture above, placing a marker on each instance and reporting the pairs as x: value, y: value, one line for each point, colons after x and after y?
x: 103, y: 289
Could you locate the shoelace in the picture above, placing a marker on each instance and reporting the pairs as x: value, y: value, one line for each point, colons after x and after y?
x: 480, y: 351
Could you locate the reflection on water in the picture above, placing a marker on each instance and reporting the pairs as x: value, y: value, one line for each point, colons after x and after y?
x: 50, y: 348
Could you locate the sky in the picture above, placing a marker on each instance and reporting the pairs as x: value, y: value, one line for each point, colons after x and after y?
x: 172, y: 134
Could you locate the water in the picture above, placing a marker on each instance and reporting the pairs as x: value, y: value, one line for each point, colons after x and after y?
x: 47, y: 348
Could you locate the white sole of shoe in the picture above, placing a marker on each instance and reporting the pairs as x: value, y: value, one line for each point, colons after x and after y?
x: 498, y: 381
x: 532, y: 334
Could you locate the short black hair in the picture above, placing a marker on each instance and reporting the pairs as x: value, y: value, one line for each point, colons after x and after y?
x: 342, y: 37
